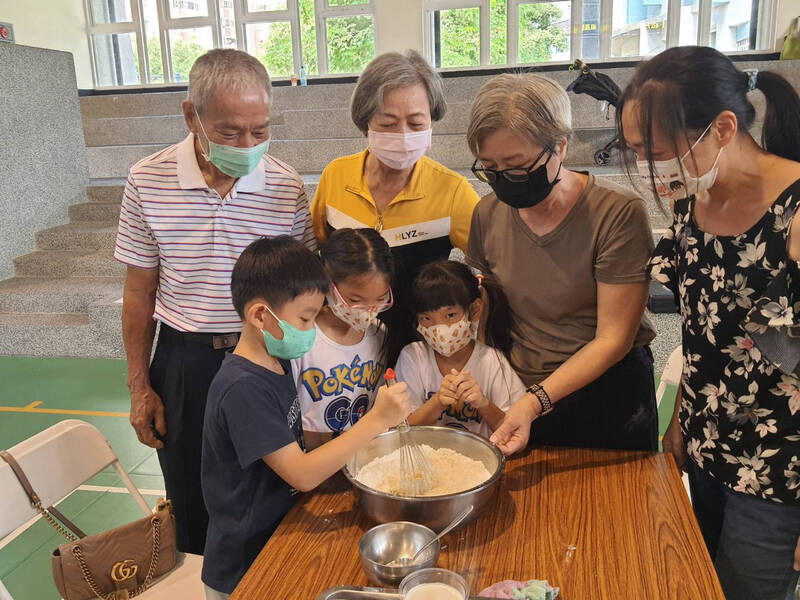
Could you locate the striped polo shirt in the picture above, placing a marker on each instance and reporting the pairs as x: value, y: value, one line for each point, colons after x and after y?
x: 171, y: 220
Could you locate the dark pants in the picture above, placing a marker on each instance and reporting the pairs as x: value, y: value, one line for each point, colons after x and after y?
x: 616, y: 411
x: 181, y: 373
x: 750, y: 540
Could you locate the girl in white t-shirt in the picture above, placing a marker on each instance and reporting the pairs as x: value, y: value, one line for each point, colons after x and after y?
x: 338, y: 378
x: 454, y: 379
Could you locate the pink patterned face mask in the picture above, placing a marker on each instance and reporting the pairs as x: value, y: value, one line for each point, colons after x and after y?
x: 449, y: 339
x: 358, y: 317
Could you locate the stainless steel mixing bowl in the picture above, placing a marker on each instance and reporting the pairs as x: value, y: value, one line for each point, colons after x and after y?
x: 384, y: 543
x: 435, y: 512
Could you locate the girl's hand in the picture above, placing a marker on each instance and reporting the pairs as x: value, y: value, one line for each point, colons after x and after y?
x: 392, y: 404
x: 470, y: 392
x: 448, y: 391
x: 515, y: 430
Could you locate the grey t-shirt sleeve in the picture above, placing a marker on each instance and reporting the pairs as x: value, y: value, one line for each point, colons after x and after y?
x: 475, y: 254
x: 625, y: 243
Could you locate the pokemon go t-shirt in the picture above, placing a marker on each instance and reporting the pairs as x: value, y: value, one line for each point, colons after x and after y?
x: 336, y: 384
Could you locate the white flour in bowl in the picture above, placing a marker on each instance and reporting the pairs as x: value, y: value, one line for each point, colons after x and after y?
x: 452, y: 472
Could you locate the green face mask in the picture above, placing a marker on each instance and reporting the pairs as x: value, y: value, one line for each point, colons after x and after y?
x: 295, y: 343
x: 234, y: 162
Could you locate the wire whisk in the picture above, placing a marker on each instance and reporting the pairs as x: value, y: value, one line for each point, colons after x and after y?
x: 415, y: 468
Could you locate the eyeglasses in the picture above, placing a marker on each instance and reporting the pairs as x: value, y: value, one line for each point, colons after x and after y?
x: 515, y: 175
x: 378, y: 308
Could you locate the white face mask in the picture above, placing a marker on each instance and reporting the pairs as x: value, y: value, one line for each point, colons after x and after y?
x: 669, y: 178
x: 358, y: 318
x: 449, y: 339
x: 399, y: 150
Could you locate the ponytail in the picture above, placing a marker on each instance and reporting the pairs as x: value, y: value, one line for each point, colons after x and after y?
x: 498, y: 317
x: 781, y: 133
x: 683, y: 89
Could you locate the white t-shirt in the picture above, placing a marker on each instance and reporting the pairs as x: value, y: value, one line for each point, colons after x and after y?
x: 497, y: 380
x: 336, y: 384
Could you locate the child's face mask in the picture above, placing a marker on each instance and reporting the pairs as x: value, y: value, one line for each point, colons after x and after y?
x: 358, y: 317
x: 295, y: 343
x: 449, y: 339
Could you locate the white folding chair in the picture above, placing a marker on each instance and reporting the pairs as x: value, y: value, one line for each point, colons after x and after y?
x: 672, y: 373
x: 59, y: 460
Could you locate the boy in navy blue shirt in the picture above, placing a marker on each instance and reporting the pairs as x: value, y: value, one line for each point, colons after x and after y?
x: 253, y: 456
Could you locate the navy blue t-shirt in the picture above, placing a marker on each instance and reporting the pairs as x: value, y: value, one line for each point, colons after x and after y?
x: 251, y: 412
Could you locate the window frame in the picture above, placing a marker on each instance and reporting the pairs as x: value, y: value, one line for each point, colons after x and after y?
x: 767, y: 15
x: 242, y: 17
x: 324, y: 11
x: 135, y: 26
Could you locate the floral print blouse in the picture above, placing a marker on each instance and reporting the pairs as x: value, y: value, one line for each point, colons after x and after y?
x: 740, y: 413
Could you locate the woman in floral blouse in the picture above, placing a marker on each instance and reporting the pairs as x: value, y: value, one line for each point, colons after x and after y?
x: 731, y: 258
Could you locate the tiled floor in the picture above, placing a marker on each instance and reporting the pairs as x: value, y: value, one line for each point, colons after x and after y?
x: 34, y: 394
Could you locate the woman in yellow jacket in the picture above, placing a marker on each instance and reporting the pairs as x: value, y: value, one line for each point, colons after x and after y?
x: 422, y: 209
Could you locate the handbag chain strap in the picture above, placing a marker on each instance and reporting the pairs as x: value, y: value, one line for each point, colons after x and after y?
x: 71, y: 537
x: 69, y: 530
x: 89, y: 578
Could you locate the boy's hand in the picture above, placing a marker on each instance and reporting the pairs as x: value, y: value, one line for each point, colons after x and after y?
x: 470, y: 392
x: 448, y: 391
x: 392, y: 404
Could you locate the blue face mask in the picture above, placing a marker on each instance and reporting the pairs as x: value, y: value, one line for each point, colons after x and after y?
x: 234, y: 162
x: 295, y: 343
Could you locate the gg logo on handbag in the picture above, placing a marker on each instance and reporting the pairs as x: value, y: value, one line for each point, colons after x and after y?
x: 123, y: 570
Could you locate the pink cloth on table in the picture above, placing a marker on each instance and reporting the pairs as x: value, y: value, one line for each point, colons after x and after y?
x: 502, y: 589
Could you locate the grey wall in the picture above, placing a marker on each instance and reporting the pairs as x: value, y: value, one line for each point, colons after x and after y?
x: 43, y: 164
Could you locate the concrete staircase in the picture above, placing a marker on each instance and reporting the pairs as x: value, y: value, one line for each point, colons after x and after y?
x: 65, y: 297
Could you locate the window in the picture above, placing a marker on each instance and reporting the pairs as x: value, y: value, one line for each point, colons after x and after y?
x: 115, y: 58
x: 471, y: 33
x: 157, y: 41
x: 459, y: 39
x: 110, y: 11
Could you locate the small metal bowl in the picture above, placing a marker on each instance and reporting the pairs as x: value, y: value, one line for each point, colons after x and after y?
x: 384, y: 543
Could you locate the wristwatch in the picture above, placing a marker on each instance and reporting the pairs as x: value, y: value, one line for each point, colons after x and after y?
x: 544, y: 399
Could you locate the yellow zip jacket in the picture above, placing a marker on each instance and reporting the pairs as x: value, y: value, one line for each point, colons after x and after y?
x: 429, y: 217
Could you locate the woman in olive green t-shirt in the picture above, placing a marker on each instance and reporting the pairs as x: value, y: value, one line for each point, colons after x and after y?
x: 570, y: 253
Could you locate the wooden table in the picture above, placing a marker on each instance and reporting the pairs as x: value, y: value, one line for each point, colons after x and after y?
x: 598, y: 524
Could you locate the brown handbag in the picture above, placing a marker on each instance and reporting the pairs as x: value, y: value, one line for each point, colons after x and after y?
x: 113, y: 565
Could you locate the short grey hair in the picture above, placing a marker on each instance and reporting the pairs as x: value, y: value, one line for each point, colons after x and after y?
x: 530, y: 105
x: 389, y: 72
x: 225, y: 69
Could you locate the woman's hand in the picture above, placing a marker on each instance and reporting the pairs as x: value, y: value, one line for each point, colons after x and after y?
x: 673, y: 443
x: 470, y: 392
x: 513, y: 433
x: 797, y: 556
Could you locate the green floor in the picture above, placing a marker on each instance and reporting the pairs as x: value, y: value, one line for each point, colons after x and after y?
x: 36, y: 385
x: 72, y: 385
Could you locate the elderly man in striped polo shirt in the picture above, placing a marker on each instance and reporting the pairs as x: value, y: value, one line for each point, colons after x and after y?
x: 187, y: 213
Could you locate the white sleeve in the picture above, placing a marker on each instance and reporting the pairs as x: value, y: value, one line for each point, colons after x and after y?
x: 506, y: 387
x: 409, y: 370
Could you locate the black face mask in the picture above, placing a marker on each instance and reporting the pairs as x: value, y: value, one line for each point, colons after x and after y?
x: 527, y: 192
